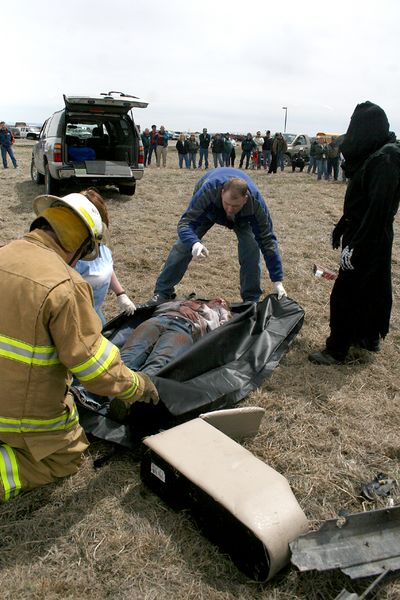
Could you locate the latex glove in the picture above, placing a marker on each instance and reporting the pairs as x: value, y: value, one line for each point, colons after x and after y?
x: 199, y: 251
x: 125, y: 304
x: 148, y: 389
x: 280, y: 290
x: 345, y: 259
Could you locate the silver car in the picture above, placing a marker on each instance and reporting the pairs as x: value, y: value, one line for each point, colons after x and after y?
x: 92, y: 141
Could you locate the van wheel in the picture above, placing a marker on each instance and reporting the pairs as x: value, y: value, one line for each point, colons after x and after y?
x: 35, y: 175
x: 50, y: 185
x: 127, y: 190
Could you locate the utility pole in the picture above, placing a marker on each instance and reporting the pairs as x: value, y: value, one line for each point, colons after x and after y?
x: 285, y: 109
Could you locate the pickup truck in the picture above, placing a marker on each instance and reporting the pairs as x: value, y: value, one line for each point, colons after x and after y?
x: 296, y: 142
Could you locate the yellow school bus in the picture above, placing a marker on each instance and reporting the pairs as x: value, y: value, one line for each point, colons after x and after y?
x: 326, y: 138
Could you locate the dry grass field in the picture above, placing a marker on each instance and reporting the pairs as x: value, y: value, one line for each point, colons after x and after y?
x: 102, y: 534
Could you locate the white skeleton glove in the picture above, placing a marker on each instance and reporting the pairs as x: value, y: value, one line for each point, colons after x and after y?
x: 125, y: 304
x: 280, y: 290
x: 345, y: 259
x: 199, y: 251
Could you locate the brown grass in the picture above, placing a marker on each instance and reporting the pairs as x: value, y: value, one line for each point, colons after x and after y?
x: 101, y: 534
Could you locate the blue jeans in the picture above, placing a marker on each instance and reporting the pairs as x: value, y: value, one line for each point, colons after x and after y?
x: 203, y: 154
x: 333, y: 166
x: 245, y: 155
x: 8, y: 150
x: 281, y: 160
x: 146, y: 155
x: 192, y: 159
x: 312, y: 165
x: 227, y: 159
x: 249, y: 253
x: 218, y: 159
x: 156, y: 342
x: 267, y: 155
x: 151, y: 150
x: 181, y: 158
x: 322, y: 168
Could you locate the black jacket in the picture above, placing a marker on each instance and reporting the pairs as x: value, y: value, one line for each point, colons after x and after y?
x: 217, y: 146
x: 204, y: 140
x: 267, y: 145
x: 182, y: 147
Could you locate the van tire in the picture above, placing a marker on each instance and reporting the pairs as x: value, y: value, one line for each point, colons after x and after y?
x: 37, y: 177
x: 50, y: 185
x: 127, y: 190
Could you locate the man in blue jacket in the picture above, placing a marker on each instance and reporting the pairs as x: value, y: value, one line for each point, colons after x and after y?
x: 6, y: 141
x: 230, y: 198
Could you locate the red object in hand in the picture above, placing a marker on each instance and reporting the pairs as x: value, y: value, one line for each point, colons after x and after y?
x: 322, y: 272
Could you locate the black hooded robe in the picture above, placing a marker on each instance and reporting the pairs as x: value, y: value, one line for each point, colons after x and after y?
x: 361, y: 299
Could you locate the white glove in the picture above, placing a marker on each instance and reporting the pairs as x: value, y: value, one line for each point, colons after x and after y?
x: 199, y: 251
x: 125, y: 304
x: 280, y: 290
x: 345, y: 259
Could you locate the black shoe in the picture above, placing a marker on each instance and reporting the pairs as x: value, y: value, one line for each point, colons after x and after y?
x: 323, y: 358
x: 157, y: 299
x: 372, y: 345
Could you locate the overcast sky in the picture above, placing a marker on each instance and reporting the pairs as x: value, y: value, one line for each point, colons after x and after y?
x: 227, y: 65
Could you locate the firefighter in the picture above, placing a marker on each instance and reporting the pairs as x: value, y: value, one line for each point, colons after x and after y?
x: 48, y: 331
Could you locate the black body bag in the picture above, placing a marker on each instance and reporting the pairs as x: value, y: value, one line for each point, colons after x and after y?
x: 218, y: 371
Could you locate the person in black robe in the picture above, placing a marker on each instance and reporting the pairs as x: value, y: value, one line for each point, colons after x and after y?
x: 361, y: 299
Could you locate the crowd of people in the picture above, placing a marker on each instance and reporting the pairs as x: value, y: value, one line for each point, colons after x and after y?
x: 49, y: 328
x: 256, y: 152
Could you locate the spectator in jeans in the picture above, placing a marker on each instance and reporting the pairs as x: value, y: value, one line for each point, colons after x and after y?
x: 267, y: 150
x: 6, y: 142
x: 182, y: 147
x: 229, y: 198
x: 162, y: 146
x: 204, y: 140
x: 227, y: 150
x: 274, y: 157
x: 312, y: 165
x: 321, y: 160
x: 259, y: 140
x: 233, y: 154
x: 217, y: 149
x: 153, y: 143
x: 146, y: 145
x: 248, y: 145
x: 280, y: 147
x: 333, y: 160
x: 193, y: 146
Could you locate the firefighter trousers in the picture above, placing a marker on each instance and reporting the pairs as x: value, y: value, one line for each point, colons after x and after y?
x: 20, y: 472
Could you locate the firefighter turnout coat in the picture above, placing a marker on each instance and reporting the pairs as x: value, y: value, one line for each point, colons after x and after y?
x: 48, y: 329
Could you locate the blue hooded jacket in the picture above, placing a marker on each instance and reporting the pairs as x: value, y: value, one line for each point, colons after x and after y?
x: 206, y: 205
x: 6, y: 138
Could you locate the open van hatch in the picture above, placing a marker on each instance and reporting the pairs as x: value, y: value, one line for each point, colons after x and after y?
x: 102, y: 104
